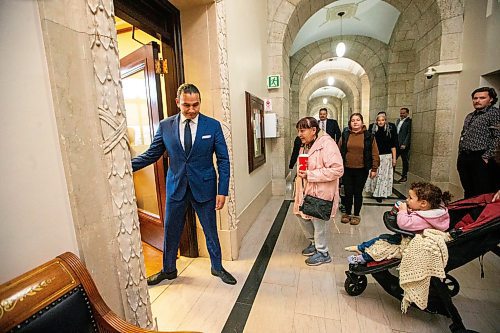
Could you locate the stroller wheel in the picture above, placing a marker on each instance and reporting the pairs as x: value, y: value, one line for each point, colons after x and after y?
x: 452, y: 285
x: 354, y: 284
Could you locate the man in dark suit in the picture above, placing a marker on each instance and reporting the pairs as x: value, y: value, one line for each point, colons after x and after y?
x: 403, y: 125
x: 190, y: 140
x: 330, y: 126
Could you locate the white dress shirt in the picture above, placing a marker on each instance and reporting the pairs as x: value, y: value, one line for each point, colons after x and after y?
x: 193, y: 124
x: 400, y: 124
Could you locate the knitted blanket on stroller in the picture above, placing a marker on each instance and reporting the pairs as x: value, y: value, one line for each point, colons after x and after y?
x: 425, y: 256
x: 382, y: 250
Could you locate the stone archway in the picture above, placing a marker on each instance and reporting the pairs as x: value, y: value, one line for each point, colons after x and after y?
x: 342, y: 81
x: 333, y: 107
x: 438, y: 26
x: 369, y: 53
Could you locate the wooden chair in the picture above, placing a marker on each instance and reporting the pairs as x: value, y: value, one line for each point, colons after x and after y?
x: 58, y: 296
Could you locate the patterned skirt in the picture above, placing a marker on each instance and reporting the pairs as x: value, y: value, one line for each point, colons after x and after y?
x: 381, y: 185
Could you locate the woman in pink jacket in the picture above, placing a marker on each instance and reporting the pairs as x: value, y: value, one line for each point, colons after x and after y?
x: 425, y: 208
x: 320, y: 179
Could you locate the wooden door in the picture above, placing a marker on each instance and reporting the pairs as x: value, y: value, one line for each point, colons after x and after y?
x: 143, y: 102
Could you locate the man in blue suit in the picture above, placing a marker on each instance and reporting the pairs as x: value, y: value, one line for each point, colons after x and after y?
x: 190, y: 140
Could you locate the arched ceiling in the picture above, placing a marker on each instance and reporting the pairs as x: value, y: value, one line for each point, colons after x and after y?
x: 330, y: 64
x: 327, y: 91
x: 371, y: 18
x: 345, y: 81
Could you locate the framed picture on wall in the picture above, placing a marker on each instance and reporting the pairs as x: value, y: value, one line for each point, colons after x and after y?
x: 255, y: 132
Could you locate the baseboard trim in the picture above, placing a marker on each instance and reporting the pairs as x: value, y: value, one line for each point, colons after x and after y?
x: 250, y: 213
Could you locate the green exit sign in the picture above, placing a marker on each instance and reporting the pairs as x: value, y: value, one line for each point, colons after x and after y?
x: 273, y: 81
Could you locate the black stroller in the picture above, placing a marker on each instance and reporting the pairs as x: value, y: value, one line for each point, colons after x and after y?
x: 475, y: 230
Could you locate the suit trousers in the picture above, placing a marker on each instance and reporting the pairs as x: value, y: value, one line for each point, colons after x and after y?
x: 475, y: 175
x: 174, y: 224
x: 405, y: 159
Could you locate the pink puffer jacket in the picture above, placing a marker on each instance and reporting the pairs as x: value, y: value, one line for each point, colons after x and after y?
x: 324, y: 169
x: 420, y: 220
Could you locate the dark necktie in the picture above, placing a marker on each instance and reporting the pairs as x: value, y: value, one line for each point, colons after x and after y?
x: 188, y: 140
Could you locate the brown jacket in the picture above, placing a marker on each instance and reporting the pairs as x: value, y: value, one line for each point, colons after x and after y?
x: 355, y: 147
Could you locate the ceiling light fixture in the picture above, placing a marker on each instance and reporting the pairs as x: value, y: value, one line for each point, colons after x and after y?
x: 325, y: 101
x: 331, y: 81
x: 340, y: 49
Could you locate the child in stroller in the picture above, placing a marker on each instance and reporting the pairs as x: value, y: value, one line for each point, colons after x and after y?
x: 425, y: 208
x: 474, y: 230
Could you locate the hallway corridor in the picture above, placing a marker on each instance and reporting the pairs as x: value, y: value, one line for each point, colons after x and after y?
x: 103, y: 75
x: 294, y: 297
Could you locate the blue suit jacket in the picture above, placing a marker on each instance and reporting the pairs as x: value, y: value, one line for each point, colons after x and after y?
x: 197, y: 169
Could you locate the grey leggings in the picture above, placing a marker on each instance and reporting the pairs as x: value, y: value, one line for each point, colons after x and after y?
x: 315, y: 231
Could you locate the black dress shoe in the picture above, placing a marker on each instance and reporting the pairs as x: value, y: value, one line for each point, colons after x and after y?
x: 378, y: 199
x: 402, y: 180
x: 160, y: 276
x: 225, y: 276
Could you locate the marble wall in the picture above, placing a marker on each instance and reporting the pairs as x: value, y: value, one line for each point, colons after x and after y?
x: 215, y: 44
x: 205, y: 65
x: 35, y: 208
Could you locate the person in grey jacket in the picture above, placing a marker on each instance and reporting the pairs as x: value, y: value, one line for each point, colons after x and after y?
x: 403, y: 126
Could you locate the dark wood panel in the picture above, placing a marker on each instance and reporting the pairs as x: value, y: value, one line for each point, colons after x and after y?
x: 151, y: 229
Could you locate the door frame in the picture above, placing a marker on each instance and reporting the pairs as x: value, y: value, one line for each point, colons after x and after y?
x: 162, y: 19
x: 144, y: 59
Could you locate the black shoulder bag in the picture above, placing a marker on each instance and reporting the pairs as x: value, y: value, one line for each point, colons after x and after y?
x: 315, y: 207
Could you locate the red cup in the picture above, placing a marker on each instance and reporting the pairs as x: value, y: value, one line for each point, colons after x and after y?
x: 303, y: 161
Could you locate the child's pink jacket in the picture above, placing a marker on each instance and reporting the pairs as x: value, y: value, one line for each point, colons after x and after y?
x: 420, y: 220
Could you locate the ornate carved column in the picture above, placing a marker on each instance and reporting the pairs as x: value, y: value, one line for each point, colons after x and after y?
x: 226, y: 104
x: 111, y: 112
x: 83, y: 63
